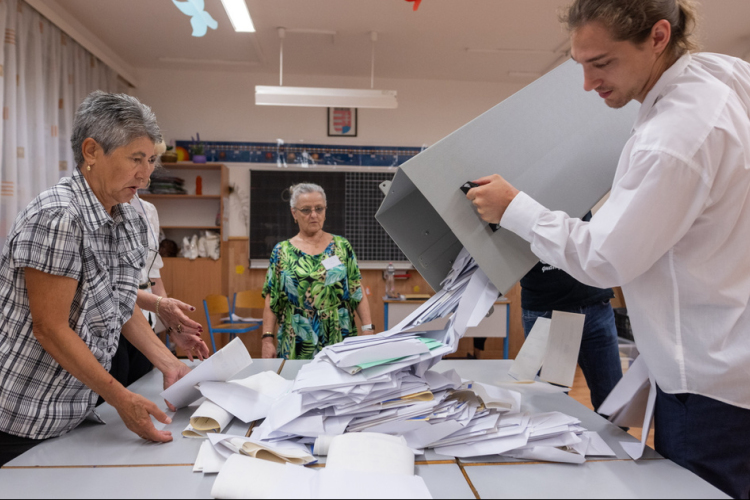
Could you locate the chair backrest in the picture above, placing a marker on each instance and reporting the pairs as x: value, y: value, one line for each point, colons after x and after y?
x: 217, y: 304
x: 249, y: 299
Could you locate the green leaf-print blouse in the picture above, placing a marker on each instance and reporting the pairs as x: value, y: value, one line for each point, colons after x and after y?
x: 314, y: 306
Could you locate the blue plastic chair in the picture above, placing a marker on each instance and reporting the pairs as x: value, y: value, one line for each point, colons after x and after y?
x: 219, y: 304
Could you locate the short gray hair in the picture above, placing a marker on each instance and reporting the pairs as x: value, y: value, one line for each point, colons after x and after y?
x: 113, y: 121
x: 304, y: 188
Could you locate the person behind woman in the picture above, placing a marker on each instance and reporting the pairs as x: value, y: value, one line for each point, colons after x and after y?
x: 129, y: 364
x: 69, y: 276
x: 313, y: 285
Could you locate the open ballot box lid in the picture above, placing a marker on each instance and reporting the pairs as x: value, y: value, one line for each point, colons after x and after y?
x: 552, y: 140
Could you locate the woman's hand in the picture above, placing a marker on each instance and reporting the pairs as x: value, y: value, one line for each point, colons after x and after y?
x: 492, y: 197
x: 136, y: 412
x: 269, y: 349
x: 172, y: 314
x: 191, y: 343
x: 178, y: 370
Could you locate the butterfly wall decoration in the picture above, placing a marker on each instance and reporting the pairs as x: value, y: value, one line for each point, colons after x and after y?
x: 199, y: 18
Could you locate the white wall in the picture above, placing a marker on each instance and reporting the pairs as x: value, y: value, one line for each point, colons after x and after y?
x: 220, y: 106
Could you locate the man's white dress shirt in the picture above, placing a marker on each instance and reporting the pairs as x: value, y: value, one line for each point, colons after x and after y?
x: 675, y: 232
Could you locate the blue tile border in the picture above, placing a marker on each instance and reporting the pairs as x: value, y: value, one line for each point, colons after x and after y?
x: 319, y: 154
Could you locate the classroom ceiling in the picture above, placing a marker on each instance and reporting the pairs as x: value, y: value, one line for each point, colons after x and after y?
x: 510, y: 40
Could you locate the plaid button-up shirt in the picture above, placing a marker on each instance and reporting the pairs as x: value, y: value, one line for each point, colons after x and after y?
x: 64, y: 232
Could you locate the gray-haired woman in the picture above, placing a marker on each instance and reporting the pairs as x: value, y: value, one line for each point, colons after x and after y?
x: 69, y: 276
x: 313, y: 285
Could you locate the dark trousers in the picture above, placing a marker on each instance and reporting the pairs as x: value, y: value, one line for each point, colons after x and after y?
x: 128, y: 364
x: 13, y: 446
x: 707, y: 437
x: 599, y: 357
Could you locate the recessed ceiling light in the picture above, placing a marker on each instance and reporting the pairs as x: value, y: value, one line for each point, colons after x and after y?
x: 239, y: 15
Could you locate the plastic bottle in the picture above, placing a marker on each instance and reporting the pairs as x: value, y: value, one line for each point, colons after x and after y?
x: 390, y: 282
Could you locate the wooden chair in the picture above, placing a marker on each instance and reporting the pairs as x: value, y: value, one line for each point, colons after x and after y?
x: 219, y: 304
x: 248, y: 300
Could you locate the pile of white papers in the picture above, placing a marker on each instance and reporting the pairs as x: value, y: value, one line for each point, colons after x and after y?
x: 383, y: 384
x: 372, y: 402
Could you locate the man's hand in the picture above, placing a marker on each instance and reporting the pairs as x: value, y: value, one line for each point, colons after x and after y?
x: 492, y: 197
x: 191, y: 343
x: 136, y: 412
x: 171, y: 376
x: 269, y: 349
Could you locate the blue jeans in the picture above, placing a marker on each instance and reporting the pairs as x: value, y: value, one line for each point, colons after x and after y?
x: 600, y: 355
x: 707, y: 437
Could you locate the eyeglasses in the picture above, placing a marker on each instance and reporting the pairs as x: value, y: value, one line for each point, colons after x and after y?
x: 308, y: 211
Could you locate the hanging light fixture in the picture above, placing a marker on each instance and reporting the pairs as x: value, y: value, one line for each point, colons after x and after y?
x: 324, y: 97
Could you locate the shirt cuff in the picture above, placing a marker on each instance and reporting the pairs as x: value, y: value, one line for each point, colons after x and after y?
x: 522, y: 215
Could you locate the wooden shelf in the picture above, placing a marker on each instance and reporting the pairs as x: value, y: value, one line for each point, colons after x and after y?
x: 187, y: 165
x: 181, y: 197
x: 213, y: 228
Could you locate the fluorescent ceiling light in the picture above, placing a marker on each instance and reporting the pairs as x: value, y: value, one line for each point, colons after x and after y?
x: 324, y: 97
x: 239, y: 15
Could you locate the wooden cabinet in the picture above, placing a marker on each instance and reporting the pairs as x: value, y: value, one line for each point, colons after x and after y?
x: 184, y: 215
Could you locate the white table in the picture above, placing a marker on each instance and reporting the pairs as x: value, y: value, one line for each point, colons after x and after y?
x: 113, y: 444
x: 97, y: 461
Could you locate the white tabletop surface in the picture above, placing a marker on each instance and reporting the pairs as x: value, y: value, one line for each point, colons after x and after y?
x: 622, y: 479
x: 107, y: 461
x: 113, y: 444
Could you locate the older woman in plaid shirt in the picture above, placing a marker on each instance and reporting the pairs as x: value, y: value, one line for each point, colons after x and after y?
x: 69, y: 276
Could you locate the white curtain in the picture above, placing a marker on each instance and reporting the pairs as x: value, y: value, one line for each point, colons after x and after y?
x: 44, y: 76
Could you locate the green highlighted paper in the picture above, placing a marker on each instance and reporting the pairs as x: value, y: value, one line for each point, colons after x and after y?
x: 432, y: 344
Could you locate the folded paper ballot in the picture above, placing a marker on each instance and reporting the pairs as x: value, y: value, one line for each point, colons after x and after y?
x: 209, y: 461
x: 208, y: 418
x: 358, y: 466
x: 218, y: 368
x: 279, y: 452
x: 370, y: 452
x: 632, y: 403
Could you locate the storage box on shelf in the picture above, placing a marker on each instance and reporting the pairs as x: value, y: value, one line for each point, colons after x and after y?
x: 182, y: 215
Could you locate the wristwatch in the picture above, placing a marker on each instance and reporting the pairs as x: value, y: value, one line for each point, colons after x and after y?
x: 368, y: 328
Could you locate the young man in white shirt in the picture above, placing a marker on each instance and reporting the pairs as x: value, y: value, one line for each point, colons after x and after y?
x: 675, y: 231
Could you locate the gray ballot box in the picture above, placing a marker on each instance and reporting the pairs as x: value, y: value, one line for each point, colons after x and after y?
x: 552, y: 140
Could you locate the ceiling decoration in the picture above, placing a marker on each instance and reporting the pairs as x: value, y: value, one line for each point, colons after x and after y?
x: 416, y: 4
x: 199, y: 18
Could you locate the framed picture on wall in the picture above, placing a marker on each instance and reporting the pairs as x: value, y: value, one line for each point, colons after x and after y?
x: 342, y: 122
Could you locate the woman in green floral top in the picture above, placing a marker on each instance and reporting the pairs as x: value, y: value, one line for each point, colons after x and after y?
x: 313, y: 285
